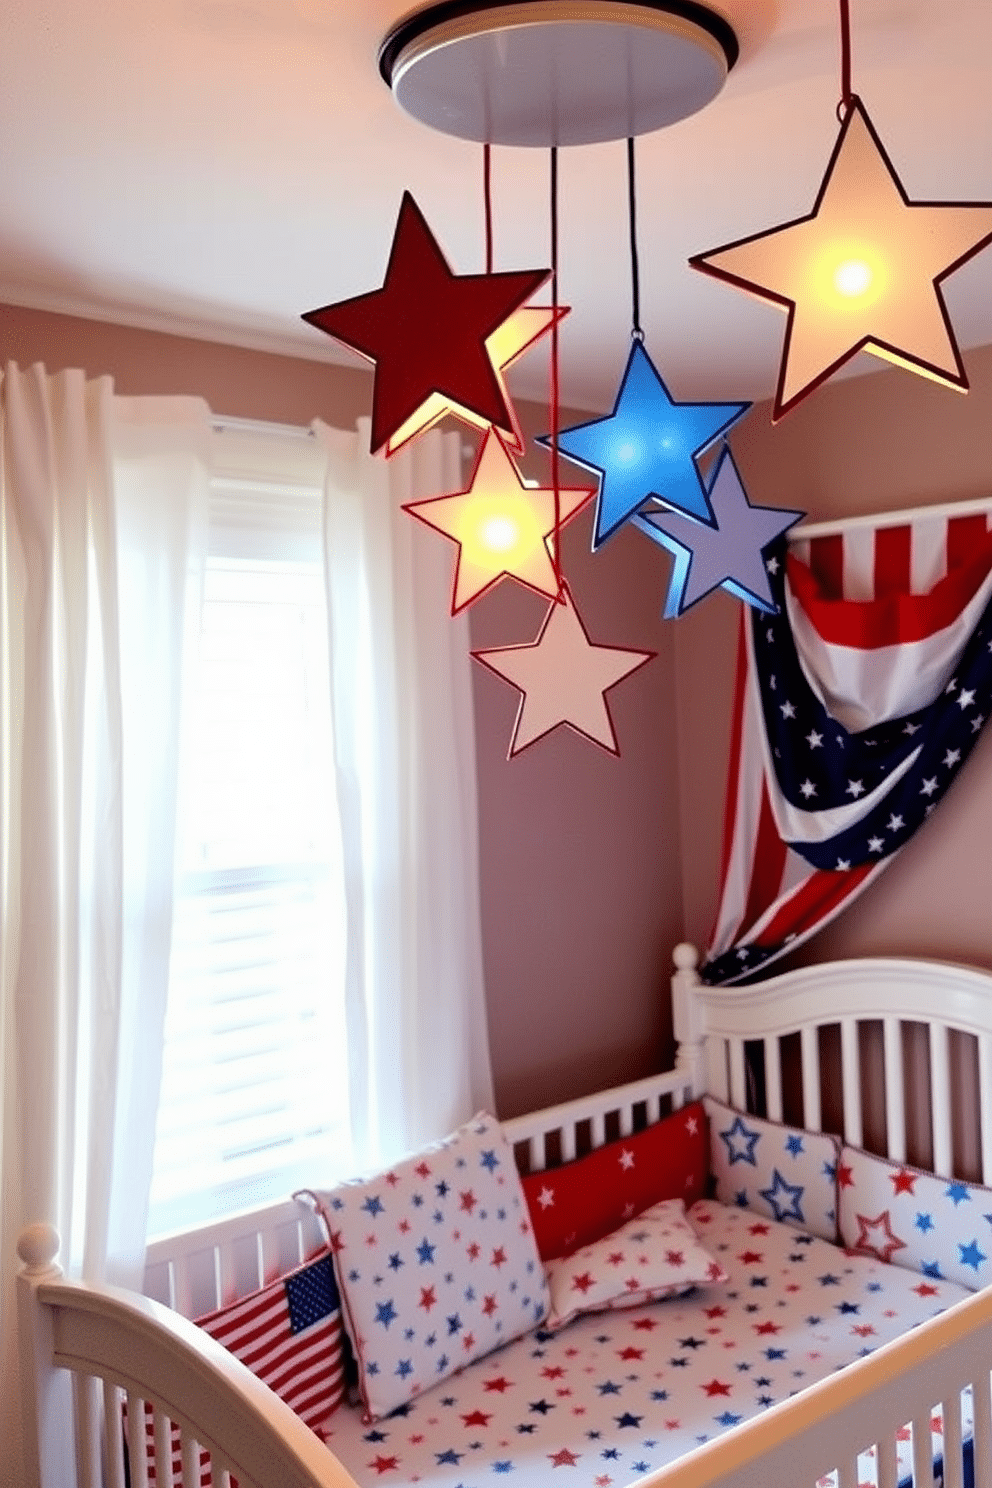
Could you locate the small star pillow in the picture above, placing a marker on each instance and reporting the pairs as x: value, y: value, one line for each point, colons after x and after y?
x: 937, y: 1226
x: 583, y: 1200
x: 437, y: 1263
x: 779, y: 1171
x: 655, y: 1256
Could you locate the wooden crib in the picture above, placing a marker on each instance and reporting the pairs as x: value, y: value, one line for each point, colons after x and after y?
x: 891, y: 1054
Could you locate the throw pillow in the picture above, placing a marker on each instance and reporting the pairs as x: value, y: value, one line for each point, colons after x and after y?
x: 939, y: 1227
x: 584, y: 1200
x: 654, y: 1256
x: 436, y: 1261
x: 779, y: 1171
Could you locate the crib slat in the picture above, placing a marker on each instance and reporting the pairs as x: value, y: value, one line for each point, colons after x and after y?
x: 887, y: 1462
x: 597, y: 1129
x: 113, y: 1435
x: 738, y: 1078
x: 568, y: 1149
x: 163, y: 1451
x: 191, y: 1461
x: 136, y: 1448
x: 810, y: 1045
x: 953, y: 1459
x: 922, y: 1448
x: 851, y: 1080
x: 716, y: 1068
x: 895, y: 1099
x: 940, y: 1100
x: 87, y: 1409
x: 773, y: 1078
x: 981, y: 1433
x: 985, y: 1102
x: 847, y: 1473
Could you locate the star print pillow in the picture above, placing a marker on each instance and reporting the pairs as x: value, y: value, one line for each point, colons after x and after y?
x: 937, y: 1226
x: 655, y: 1256
x: 583, y: 1200
x: 779, y: 1171
x: 437, y: 1263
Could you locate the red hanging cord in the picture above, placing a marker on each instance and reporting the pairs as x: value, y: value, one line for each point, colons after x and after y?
x: 845, y: 60
x: 555, y: 477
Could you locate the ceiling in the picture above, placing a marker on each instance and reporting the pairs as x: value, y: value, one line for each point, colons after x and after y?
x: 217, y: 167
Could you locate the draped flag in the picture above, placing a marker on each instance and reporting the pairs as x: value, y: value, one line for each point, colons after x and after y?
x: 855, y: 707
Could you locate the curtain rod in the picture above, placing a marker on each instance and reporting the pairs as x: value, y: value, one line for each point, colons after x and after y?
x: 808, y: 530
x: 225, y: 424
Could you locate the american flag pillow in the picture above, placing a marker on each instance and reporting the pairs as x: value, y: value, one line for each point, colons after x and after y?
x: 289, y: 1335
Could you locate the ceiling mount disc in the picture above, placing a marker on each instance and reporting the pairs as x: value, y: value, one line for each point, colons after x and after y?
x: 550, y: 72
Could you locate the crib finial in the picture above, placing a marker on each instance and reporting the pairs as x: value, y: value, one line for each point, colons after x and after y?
x: 37, y: 1247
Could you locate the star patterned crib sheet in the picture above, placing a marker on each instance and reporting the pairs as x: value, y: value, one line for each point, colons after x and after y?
x: 612, y: 1396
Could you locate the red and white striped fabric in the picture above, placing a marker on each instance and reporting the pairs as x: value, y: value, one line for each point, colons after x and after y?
x: 874, y: 623
x: 289, y: 1335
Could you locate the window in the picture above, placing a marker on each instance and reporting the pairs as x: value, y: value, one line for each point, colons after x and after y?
x: 254, y: 1093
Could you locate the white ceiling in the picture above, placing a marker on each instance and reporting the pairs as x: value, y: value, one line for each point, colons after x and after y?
x: 217, y: 167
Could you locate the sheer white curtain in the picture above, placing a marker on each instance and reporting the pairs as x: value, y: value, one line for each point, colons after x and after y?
x: 405, y: 746
x: 100, y: 496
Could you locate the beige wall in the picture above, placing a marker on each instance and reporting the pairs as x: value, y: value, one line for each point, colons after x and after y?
x: 879, y: 442
x: 579, y: 849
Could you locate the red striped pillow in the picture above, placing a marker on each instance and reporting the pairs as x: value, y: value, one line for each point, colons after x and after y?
x: 289, y: 1335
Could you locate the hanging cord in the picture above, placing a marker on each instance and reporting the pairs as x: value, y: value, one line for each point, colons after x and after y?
x: 636, y: 331
x: 555, y: 475
x: 846, y: 95
x: 487, y: 198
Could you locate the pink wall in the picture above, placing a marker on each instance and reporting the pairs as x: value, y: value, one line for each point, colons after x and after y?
x: 880, y: 442
x: 579, y: 849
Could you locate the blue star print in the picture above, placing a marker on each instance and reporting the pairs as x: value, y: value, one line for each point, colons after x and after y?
x: 740, y: 1142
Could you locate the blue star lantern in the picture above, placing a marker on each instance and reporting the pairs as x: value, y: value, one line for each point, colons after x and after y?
x: 727, y: 555
x: 646, y: 447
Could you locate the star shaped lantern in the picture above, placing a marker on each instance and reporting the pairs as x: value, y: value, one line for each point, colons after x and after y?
x: 862, y: 272
x: 429, y: 333
x: 563, y: 678
x: 727, y: 556
x: 502, y: 526
x: 648, y: 446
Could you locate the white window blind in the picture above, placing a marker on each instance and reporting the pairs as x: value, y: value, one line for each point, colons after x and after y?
x: 254, y: 1096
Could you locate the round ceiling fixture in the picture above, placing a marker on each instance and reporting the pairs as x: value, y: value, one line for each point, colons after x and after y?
x: 550, y: 72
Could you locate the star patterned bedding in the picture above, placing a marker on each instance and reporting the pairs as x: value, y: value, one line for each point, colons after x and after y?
x: 614, y: 1395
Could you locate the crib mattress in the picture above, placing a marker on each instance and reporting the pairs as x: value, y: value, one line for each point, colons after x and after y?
x: 615, y: 1395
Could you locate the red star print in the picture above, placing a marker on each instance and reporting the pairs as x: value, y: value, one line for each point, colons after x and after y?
x: 582, y: 1282
x: 631, y: 1353
x: 647, y: 1325
x: 499, y: 1384
x: 489, y: 1305
x: 468, y: 1342
x: 426, y: 329
x: 615, y: 1258
x: 499, y: 1257
x: 423, y: 1170
x: 477, y: 1418
x: 468, y: 1201
x: 564, y: 1458
x: 926, y: 1289
x: 716, y: 1312
x: 767, y: 1328
x: 903, y: 1181
x: 474, y: 1251
x: 881, y: 1225
x: 716, y: 1387
x: 392, y: 1179
x: 673, y: 1257
x: 428, y: 1298
x: 552, y: 1371
x: 750, y: 1257
x: 758, y: 1229
x: 845, y: 1176
x: 385, y: 1464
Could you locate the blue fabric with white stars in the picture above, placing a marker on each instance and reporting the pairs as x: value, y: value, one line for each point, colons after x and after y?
x: 615, y: 1395
x: 779, y: 1171
x: 437, y: 1262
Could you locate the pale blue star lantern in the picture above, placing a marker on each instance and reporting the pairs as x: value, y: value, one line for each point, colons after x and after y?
x: 648, y: 446
x: 727, y: 555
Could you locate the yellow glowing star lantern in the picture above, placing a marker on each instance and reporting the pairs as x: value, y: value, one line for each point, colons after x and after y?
x: 502, y: 525
x: 509, y: 341
x: 861, y: 272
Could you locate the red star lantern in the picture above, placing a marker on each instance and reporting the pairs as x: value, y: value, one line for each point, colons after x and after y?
x: 502, y: 526
x: 563, y: 678
x: 428, y: 331
x: 861, y: 272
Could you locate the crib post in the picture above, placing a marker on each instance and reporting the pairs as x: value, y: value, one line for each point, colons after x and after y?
x: 46, y: 1391
x: 687, y: 1016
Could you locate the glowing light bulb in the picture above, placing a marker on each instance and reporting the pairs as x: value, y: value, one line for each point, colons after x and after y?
x: 852, y: 278
x: 498, y: 534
